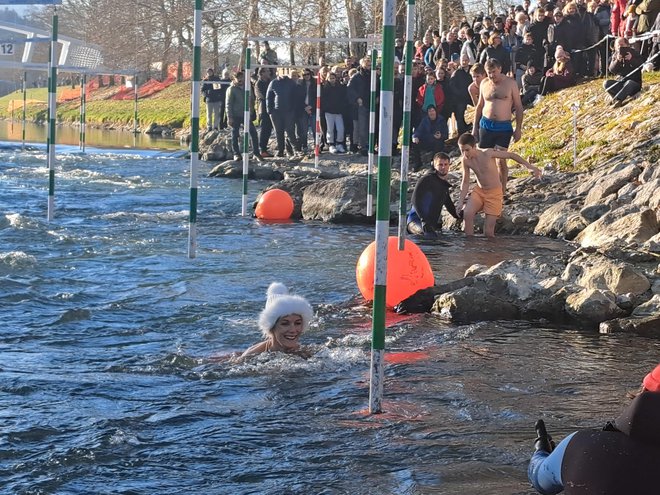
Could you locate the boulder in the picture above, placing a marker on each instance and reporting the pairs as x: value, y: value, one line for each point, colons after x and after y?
x: 647, y: 195
x: 474, y: 304
x: 422, y: 300
x: 649, y: 325
x: 521, y: 278
x: 342, y: 200
x: 216, y: 153
x: 610, y: 184
x: 637, y: 226
x: 598, y: 272
x: 552, y: 222
x: 592, y: 213
x: 593, y: 306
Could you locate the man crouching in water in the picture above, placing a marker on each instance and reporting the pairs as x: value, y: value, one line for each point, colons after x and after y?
x: 492, y: 128
x: 487, y: 195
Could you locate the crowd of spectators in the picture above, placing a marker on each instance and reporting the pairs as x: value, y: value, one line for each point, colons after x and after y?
x: 545, y: 47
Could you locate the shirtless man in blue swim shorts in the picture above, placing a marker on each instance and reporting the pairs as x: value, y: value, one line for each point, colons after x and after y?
x: 498, y: 95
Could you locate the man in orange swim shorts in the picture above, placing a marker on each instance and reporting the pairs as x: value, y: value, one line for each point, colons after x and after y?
x: 487, y: 195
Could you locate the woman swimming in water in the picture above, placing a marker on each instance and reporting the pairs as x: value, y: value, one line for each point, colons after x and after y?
x: 282, y: 322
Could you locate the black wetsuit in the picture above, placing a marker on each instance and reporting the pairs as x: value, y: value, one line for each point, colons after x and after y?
x: 430, y: 195
x: 621, y: 459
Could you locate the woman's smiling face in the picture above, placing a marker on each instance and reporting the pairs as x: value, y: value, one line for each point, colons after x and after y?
x: 286, y: 333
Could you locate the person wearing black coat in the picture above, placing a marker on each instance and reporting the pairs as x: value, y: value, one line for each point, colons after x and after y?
x: 626, y: 64
x: 279, y: 103
x: 621, y: 458
x: 458, y: 89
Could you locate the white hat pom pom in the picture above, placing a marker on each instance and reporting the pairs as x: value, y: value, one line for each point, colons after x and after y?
x: 276, y: 289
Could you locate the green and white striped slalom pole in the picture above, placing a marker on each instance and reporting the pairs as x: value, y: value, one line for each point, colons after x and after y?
x: 372, y: 134
x: 377, y: 374
x: 317, y: 121
x: 83, y: 111
x: 135, y: 104
x: 52, y: 116
x: 24, y: 110
x: 246, y: 130
x: 194, y: 128
x: 407, y: 105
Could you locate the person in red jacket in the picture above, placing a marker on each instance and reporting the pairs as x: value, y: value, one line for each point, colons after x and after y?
x: 430, y: 93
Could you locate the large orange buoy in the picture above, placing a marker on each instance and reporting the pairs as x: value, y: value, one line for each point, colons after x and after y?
x: 274, y: 204
x: 407, y: 271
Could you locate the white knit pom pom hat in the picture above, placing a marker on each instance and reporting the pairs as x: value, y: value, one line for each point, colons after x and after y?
x: 280, y: 303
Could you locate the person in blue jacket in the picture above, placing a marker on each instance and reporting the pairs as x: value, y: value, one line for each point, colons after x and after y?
x: 430, y: 135
x: 620, y: 459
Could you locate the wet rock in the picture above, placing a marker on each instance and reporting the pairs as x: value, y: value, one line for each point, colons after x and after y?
x: 593, y: 306
x: 337, y: 200
x: 599, y: 272
x: 233, y: 170
x: 475, y: 269
x: 216, y: 153
x: 649, y: 326
x: 422, y: 300
x: 473, y: 304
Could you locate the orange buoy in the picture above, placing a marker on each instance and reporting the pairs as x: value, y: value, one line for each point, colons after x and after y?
x: 407, y: 271
x: 274, y: 204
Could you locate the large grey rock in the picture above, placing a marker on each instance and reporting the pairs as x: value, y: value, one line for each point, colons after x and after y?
x: 633, y: 227
x: 521, y: 278
x: 610, y: 184
x: 342, y: 200
x: 598, y: 272
x: 474, y: 304
x: 552, y: 222
x: 648, y: 195
x: 593, y: 306
x: 649, y: 325
x: 422, y: 300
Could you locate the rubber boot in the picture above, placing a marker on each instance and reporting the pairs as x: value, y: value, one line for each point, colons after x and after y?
x: 543, y: 440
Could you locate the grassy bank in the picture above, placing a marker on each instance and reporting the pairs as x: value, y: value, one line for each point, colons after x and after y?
x: 169, y: 107
x: 547, y: 134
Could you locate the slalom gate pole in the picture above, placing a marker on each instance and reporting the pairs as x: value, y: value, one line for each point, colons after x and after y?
x: 83, y: 111
x: 407, y: 105
x: 317, y: 148
x: 194, y: 127
x: 377, y: 374
x: 372, y: 133
x: 135, y: 104
x: 575, y: 107
x: 52, y: 117
x: 24, y: 110
x: 246, y: 130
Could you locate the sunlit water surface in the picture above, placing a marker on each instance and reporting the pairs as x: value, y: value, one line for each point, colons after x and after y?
x: 114, y: 377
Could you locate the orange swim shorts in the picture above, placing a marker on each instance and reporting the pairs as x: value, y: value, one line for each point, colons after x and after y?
x: 491, y: 200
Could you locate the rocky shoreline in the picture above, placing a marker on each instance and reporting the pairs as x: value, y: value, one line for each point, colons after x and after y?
x: 609, y: 215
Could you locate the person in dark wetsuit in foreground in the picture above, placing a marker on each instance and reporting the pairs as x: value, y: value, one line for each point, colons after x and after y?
x: 430, y: 195
x: 621, y: 459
